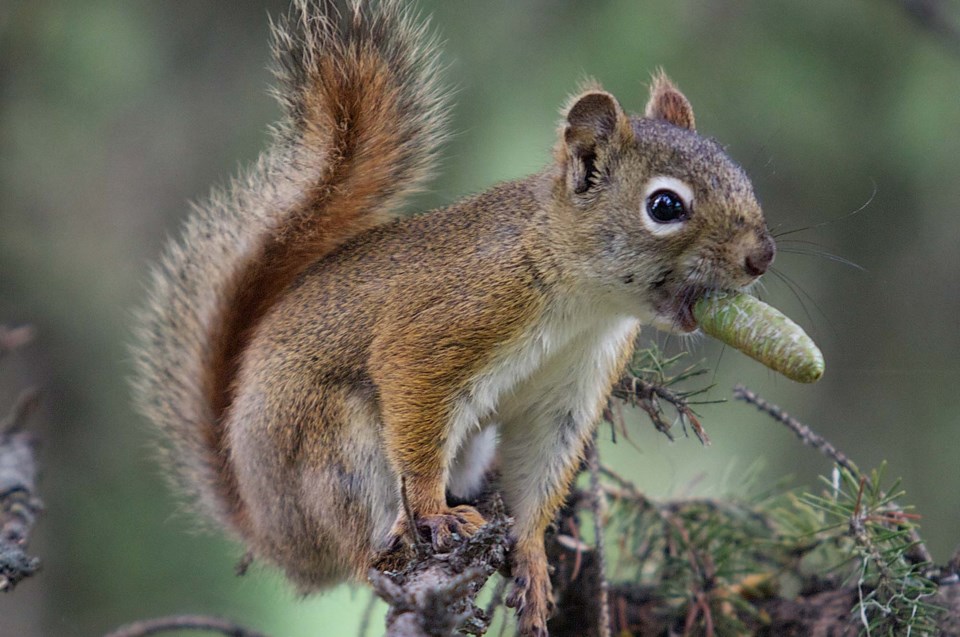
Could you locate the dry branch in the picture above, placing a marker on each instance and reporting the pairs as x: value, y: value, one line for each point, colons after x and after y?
x: 598, y: 501
x: 433, y: 596
x: 19, y: 506
x: 803, y: 432
x: 183, y: 622
x: 639, y: 392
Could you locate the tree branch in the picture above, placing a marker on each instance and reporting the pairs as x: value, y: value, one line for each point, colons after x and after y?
x: 639, y: 392
x: 598, y: 505
x: 433, y: 596
x: 919, y: 552
x: 19, y: 506
x: 183, y: 622
x: 804, y: 433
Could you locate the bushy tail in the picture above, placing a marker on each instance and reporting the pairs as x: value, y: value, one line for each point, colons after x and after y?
x: 364, y: 115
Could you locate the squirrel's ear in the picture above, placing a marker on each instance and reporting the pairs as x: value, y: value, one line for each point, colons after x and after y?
x: 669, y: 104
x: 593, y: 122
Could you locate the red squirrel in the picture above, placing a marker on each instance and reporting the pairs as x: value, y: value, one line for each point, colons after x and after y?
x: 306, y: 347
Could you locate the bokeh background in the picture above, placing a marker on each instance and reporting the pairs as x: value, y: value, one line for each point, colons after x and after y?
x: 113, y: 115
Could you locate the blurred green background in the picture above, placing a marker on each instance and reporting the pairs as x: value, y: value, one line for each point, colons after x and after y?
x: 113, y: 115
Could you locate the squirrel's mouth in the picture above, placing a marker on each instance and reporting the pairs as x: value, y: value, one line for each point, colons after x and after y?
x: 685, y: 318
x: 674, y: 312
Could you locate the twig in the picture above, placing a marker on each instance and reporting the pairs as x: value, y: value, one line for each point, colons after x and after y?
x: 574, y: 543
x: 603, y: 586
x: 646, y: 395
x: 434, y: 596
x: 14, y: 421
x: 953, y: 565
x: 804, y: 433
x: 496, y: 600
x: 367, y: 614
x: 19, y: 506
x: 243, y: 565
x: 421, y: 548
x: 620, y: 480
x: 919, y: 551
x: 704, y: 571
x: 183, y: 622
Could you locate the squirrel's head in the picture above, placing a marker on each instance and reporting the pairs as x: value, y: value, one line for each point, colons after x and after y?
x: 660, y: 214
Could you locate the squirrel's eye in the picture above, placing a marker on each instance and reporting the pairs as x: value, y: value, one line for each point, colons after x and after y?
x: 666, y: 206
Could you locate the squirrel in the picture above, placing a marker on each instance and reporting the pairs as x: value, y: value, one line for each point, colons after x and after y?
x: 306, y: 348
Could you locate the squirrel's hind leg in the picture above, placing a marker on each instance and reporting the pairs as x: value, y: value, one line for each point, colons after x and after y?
x: 322, y: 503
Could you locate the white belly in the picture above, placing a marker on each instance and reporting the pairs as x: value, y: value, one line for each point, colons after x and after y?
x: 558, y: 372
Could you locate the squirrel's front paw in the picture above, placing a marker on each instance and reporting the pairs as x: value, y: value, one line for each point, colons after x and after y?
x: 449, y: 527
x: 532, y: 596
x: 443, y: 529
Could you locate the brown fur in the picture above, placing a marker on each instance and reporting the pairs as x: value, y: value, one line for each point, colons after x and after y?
x: 667, y: 103
x: 364, y: 115
x: 306, y: 351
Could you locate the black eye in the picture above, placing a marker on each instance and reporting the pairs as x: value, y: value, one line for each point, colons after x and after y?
x: 666, y: 206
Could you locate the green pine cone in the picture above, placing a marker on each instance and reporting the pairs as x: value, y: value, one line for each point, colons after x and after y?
x: 761, y: 332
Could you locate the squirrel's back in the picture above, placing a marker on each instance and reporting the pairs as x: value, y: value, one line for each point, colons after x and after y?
x: 363, y: 117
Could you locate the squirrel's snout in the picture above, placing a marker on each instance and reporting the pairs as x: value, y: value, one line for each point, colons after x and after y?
x: 757, y: 262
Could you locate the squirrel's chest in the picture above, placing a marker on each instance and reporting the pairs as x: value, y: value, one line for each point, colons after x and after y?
x: 560, y: 369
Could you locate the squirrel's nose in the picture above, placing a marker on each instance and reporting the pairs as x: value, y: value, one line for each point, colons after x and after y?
x: 757, y: 262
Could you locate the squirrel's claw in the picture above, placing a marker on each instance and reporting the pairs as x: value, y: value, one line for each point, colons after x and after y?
x: 448, y: 528
x: 444, y: 529
x: 532, y: 597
